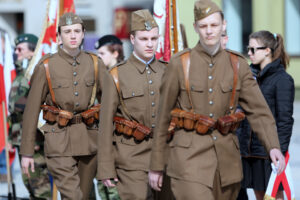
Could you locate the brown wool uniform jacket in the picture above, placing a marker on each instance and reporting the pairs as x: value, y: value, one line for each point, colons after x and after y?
x: 72, y: 80
x: 196, y: 157
x: 139, y: 86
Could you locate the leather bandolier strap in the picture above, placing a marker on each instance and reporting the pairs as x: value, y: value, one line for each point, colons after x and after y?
x: 54, y: 113
x: 201, y: 123
x: 129, y: 128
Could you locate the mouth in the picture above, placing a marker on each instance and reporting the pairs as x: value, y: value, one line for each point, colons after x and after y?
x: 149, y: 51
x: 73, y: 42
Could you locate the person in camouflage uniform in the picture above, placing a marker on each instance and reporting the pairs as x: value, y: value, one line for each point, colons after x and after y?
x: 38, y: 185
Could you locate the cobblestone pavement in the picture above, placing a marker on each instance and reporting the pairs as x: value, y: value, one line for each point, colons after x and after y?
x: 294, y: 162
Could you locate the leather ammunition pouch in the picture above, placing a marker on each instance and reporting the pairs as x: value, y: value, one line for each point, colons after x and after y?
x: 50, y: 113
x: 132, y: 129
x: 91, y: 115
x: 191, y: 121
x: 229, y: 123
x: 64, y: 117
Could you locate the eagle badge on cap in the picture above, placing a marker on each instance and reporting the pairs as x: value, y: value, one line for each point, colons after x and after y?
x: 148, y: 25
x: 207, y: 10
x: 68, y: 20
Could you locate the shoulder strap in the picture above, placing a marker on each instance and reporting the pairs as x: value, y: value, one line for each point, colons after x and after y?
x: 45, y: 62
x: 186, y: 61
x: 235, y: 66
x: 95, y: 61
x: 114, y: 74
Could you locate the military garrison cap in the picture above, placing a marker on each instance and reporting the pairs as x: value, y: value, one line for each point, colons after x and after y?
x: 26, y: 38
x: 69, y: 19
x: 107, y: 39
x: 204, y: 8
x: 142, y: 20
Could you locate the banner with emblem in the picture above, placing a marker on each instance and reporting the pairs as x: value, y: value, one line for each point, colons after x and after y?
x: 170, y: 38
x: 7, y: 75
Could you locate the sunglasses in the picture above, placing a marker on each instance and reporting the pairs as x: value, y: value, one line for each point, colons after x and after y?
x: 254, y: 49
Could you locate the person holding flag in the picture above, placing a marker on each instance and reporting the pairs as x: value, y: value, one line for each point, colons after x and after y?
x: 200, y: 91
x: 65, y: 85
x: 38, y: 184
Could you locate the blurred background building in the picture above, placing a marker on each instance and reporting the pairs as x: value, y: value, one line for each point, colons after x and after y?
x: 112, y: 17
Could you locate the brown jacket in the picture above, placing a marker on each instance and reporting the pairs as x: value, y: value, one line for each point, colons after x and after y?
x: 72, y: 82
x: 196, y: 157
x: 139, y: 86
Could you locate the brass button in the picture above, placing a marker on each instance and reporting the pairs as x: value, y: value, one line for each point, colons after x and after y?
x: 153, y: 125
x: 153, y: 115
x: 152, y: 92
x: 152, y: 104
x: 211, y: 65
x: 75, y: 83
x: 74, y: 64
x: 211, y: 102
x: 210, y: 90
x: 148, y: 72
x: 76, y: 93
x: 211, y: 115
x: 75, y: 73
x: 53, y: 129
x: 133, y: 94
x: 150, y: 82
x: 215, y: 138
x: 210, y: 77
x: 76, y: 104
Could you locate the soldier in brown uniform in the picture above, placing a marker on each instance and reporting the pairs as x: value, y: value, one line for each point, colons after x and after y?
x: 200, y: 82
x: 65, y: 84
x: 130, y: 102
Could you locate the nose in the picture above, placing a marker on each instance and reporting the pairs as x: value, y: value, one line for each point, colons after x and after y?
x: 150, y: 43
x: 208, y: 30
x: 72, y: 34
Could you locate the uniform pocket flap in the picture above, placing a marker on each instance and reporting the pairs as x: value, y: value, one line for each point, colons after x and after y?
x: 47, y: 128
x: 196, y: 86
x: 132, y: 92
x: 89, y: 82
x: 227, y: 87
x: 60, y: 84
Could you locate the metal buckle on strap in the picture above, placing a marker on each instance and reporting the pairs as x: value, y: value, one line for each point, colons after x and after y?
x: 77, y: 119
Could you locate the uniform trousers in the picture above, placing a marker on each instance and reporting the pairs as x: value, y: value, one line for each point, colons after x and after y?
x: 134, y: 185
x: 73, y: 175
x: 186, y: 190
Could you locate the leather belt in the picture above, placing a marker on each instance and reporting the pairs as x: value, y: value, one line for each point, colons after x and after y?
x: 77, y: 119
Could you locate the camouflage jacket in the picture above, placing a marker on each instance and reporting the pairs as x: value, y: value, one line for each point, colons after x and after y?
x: 17, y: 101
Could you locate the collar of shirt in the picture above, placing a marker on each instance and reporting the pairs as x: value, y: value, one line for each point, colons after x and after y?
x: 141, y: 65
x: 208, y: 58
x: 70, y: 59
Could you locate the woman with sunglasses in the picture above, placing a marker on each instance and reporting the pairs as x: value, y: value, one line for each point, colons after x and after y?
x: 269, y: 63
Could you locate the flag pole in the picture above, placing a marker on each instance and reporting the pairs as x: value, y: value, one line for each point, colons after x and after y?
x: 175, y: 31
x: 9, y: 178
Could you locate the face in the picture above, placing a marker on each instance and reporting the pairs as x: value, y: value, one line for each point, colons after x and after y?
x: 210, y: 29
x: 109, y: 58
x: 257, y: 52
x: 71, y: 36
x: 145, y: 43
x: 22, y: 51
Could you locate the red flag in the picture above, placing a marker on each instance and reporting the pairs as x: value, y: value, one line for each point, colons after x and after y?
x: 7, y: 75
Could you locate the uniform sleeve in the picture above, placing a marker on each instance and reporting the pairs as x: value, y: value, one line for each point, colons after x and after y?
x: 37, y: 95
x: 256, y: 109
x: 285, y: 94
x: 109, y: 104
x: 168, y: 96
x: 100, y: 83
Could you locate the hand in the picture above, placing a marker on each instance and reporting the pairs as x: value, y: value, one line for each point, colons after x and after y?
x: 27, y: 162
x: 109, y: 183
x: 10, y: 147
x: 278, y: 160
x: 155, y: 179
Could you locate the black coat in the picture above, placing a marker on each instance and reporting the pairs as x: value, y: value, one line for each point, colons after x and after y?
x: 278, y: 88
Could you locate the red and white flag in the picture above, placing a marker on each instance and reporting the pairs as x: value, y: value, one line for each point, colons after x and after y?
x: 7, y: 75
x: 285, y: 178
x: 167, y: 18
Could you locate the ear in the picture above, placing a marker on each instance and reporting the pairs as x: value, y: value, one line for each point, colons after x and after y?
x: 132, y: 39
x: 115, y: 54
x: 195, y: 27
x: 224, y: 25
x: 268, y: 52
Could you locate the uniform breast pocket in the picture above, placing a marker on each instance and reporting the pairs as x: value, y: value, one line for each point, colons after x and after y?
x: 89, y: 82
x: 196, y: 91
x: 61, y: 88
x: 134, y: 98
